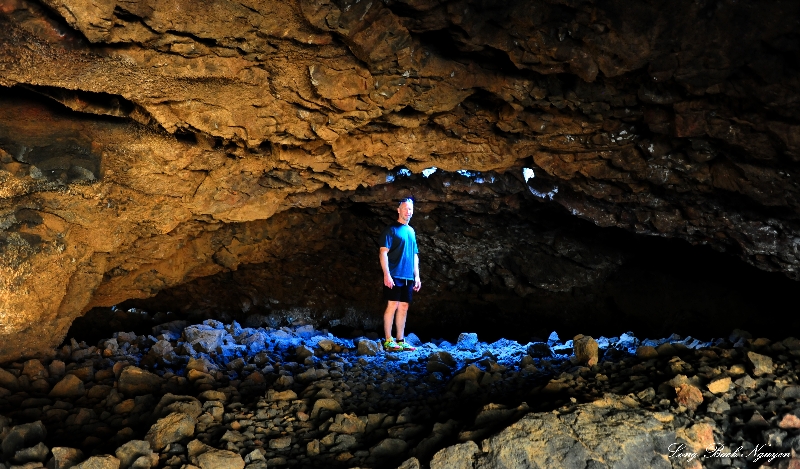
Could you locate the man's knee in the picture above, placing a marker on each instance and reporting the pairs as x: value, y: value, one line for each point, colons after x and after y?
x: 402, y: 306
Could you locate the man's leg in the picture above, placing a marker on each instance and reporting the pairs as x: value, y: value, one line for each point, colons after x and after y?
x: 400, y: 319
x: 388, y: 319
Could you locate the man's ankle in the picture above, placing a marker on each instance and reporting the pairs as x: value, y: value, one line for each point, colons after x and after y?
x: 401, y: 340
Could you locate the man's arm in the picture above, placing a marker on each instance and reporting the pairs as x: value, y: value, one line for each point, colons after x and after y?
x: 417, y: 283
x: 384, y: 258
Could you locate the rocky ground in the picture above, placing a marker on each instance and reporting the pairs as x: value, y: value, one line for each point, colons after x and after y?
x: 217, y: 395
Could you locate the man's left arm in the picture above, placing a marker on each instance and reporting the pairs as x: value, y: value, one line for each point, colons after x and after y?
x: 417, y: 283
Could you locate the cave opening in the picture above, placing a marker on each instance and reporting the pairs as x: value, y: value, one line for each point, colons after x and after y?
x: 529, y: 266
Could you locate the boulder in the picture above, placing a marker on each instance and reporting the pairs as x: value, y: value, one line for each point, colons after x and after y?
x: 688, y: 396
x: 467, y: 341
x: 69, y: 386
x: 135, y: 381
x: 368, y: 347
x: 170, y: 429
x: 131, y: 451
x: 762, y: 364
x: 65, y: 458
x: 586, y: 350
x: 204, y: 338
x: 605, y: 433
x: 23, y: 436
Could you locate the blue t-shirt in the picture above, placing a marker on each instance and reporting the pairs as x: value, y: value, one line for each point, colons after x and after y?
x: 402, y: 243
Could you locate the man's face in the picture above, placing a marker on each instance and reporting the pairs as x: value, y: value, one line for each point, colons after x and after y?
x: 405, y: 210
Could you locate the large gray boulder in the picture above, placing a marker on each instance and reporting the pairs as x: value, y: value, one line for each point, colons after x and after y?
x: 604, y: 434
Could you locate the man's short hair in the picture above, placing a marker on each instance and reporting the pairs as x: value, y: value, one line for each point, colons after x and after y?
x: 406, y: 199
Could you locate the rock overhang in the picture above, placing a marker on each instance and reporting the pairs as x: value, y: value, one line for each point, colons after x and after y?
x: 182, y: 128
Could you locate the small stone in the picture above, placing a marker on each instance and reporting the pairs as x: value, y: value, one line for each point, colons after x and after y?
x: 790, y: 392
x: 412, y: 463
x: 666, y: 350
x: 586, y: 350
x: 757, y: 420
x: 321, y: 405
x: 646, y: 352
x: 170, y: 403
x: 762, y: 364
x: 211, y: 395
x: 540, y: 350
x: 170, y: 429
x: 145, y: 462
x: 135, y: 381
x: 368, y: 347
x: 64, y: 457
x: 326, y: 345
x: 69, y: 386
x: 287, y: 395
x: 34, y: 453
x: 688, y: 396
x: 720, y: 386
x: 204, y: 338
x: 746, y: 382
x: 737, y: 370
x: 280, y: 443
x: 789, y: 421
x: 131, y: 451
x: 312, y: 448
x: 303, y: 352
x: 198, y: 364
x: 467, y: 341
x: 699, y: 436
x: 388, y: 447
x: 220, y: 459
x: 99, y: 462
x: 57, y: 369
x: 718, y: 406
x: 8, y: 380
x: 34, y: 370
x: 348, y: 423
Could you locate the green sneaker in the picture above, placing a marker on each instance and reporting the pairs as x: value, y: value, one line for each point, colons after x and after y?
x: 405, y: 346
x: 391, y: 346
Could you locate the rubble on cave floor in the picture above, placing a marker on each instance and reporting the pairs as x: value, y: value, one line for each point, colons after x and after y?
x: 216, y: 395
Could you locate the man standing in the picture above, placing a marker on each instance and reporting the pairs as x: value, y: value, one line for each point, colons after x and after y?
x: 400, y: 263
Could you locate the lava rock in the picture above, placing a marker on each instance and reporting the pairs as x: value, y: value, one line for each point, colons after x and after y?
x: 762, y: 364
x: 720, y: 386
x: 467, y: 341
x: 99, y: 462
x: 586, y: 350
x: 688, y: 396
x: 69, y: 386
x: 368, y: 347
x: 35, y: 453
x: 23, y: 436
x: 135, y: 381
x: 540, y: 350
x: 131, y: 451
x: 65, y: 458
x: 170, y: 429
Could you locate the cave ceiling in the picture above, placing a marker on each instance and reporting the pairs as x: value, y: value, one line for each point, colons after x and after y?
x: 146, y: 144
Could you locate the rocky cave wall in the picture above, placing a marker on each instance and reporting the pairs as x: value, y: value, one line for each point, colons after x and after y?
x: 148, y: 145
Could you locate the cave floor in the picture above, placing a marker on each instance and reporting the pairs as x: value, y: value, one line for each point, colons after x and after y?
x: 300, y: 397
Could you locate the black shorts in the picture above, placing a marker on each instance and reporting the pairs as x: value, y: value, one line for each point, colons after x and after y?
x: 403, y: 290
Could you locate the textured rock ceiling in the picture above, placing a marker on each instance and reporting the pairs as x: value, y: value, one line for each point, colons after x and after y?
x: 184, y: 124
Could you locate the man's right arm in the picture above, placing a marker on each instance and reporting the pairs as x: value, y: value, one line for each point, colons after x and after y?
x: 384, y: 258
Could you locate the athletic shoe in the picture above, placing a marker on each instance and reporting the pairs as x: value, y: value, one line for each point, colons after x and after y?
x: 406, y: 347
x: 391, y: 346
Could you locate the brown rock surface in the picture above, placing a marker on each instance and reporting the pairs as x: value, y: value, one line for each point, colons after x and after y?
x: 181, y: 131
